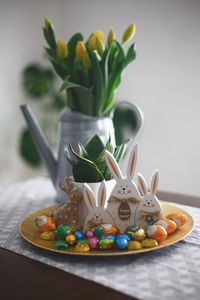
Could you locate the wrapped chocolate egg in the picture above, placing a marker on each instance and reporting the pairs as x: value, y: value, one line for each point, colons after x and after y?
x: 168, y: 224
x: 135, y: 232
x: 157, y: 232
x: 89, y: 234
x: 134, y: 245
x: 84, y: 240
x: 61, y: 245
x: 123, y: 236
x: 179, y: 219
x: 94, y: 242
x: 108, y: 229
x: 48, y: 235
x: 122, y: 243
x: 45, y: 223
x: 108, y: 237
x: 82, y: 247
x: 106, y: 244
x: 149, y: 243
x: 70, y: 239
x: 63, y: 230
x: 79, y: 235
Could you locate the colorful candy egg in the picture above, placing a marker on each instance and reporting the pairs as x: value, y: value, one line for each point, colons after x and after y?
x: 123, y: 236
x: 108, y: 237
x: 135, y: 232
x: 89, y: 234
x: 149, y: 243
x: 157, y: 232
x: 84, y: 240
x: 79, y: 235
x: 63, y: 230
x: 179, y: 219
x: 82, y: 247
x: 122, y: 243
x: 139, y: 234
x: 108, y: 229
x: 70, y: 239
x: 134, y: 245
x: 106, y: 244
x: 47, y: 235
x: 93, y: 242
x: 168, y: 224
x: 61, y: 245
x: 45, y: 223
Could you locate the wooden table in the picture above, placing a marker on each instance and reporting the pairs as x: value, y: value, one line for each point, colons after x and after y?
x: 23, y: 278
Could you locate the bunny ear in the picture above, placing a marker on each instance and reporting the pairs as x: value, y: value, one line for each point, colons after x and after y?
x: 132, y: 162
x: 142, y: 185
x: 89, y: 197
x: 113, y: 165
x: 102, y: 195
x: 154, y: 182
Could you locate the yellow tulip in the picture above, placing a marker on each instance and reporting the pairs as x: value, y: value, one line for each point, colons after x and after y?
x: 99, y: 46
x: 80, y: 51
x: 61, y: 49
x: 92, y: 40
x: 111, y: 37
x: 86, y: 60
x: 47, y: 22
x: 129, y: 33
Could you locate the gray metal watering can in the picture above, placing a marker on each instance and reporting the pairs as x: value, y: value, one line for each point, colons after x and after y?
x: 74, y: 127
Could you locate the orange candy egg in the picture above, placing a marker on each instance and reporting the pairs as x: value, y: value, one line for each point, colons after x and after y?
x: 157, y: 232
x: 169, y: 225
x: 179, y: 219
x: 45, y: 223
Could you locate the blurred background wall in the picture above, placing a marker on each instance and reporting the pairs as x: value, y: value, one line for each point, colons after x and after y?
x: 164, y: 80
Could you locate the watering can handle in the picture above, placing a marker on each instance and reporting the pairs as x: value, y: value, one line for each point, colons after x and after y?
x: 136, y: 109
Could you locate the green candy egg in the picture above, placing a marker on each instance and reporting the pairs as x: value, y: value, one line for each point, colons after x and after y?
x: 61, y: 245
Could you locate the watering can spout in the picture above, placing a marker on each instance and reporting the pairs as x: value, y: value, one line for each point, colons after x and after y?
x: 40, y: 142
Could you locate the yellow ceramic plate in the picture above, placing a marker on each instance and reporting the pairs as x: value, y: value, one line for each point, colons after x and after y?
x: 30, y: 233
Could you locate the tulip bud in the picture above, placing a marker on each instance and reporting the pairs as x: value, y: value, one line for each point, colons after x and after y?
x: 86, y: 60
x: 99, y: 46
x: 92, y: 40
x: 47, y: 22
x: 111, y: 37
x: 80, y: 51
x: 129, y: 33
x: 61, y: 49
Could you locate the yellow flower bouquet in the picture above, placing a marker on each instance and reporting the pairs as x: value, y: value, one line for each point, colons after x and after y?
x: 91, y: 70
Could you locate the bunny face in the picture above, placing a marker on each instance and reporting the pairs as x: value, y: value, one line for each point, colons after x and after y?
x: 97, y: 211
x: 149, y: 209
x: 125, y: 195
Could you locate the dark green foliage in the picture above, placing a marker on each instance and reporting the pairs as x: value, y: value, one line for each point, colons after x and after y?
x: 37, y: 81
x: 89, y: 165
x: 124, y: 117
x: 28, y: 150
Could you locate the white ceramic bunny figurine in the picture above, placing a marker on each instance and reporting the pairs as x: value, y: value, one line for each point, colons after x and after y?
x: 97, y: 211
x: 149, y: 210
x: 125, y: 196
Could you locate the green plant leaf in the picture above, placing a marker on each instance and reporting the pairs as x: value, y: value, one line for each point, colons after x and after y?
x: 52, y: 39
x: 82, y: 150
x: 68, y: 85
x: 72, y: 43
x: 100, y: 160
x: 82, y: 159
x: 119, y: 150
x: 130, y: 56
x: 98, y: 85
x: 94, y: 146
x: 83, y: 172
